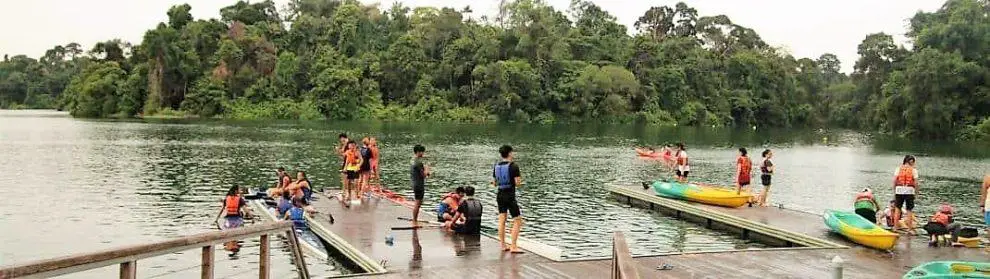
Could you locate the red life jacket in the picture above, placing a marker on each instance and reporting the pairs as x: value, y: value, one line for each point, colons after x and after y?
x: 905, y: 177
x: 941, y: 217
x: 746, y: 169
x: 233, y: 205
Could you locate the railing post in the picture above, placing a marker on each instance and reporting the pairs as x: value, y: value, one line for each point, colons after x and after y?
x: 207, y: 265
x: 263, y: 262
x: 128, y: 270
x: 297, y: 254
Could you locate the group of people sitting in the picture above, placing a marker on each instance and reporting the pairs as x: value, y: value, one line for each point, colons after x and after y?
x: 293, y: 197
x: 460, y: 212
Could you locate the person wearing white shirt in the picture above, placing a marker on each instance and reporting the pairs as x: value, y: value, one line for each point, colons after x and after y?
x: 905, y: 189
x: 682, y: 163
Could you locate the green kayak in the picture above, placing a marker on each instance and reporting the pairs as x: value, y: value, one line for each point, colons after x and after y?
x: 949, y: 269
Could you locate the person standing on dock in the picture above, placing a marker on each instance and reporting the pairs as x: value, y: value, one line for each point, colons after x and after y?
x: 744, y: 171
x: 985, y: 200
x: 905, y: 189
x: 352, y: 163
x: 365, y: 171
x: 766, y: 175
x: 374, y: 162
x: 418, y: 172
x: 682, y: 163
x: 506, y: 178
x: 341, y: 149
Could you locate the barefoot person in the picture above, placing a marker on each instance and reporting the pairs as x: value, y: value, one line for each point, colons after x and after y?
x: 683, y: 168
x: 506, y: 178
x: 905, y: 189
x: 985, y: 200
x: 467, y: 220
x: 418, y: 173
x: 766, y: 175
x: 364, y: 172
x: 744, y: 170
x: 352, y: 163
x: 374, y: 161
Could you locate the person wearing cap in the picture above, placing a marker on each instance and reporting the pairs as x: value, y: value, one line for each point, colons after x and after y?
x: 942, y: 223
x: 866, y: 205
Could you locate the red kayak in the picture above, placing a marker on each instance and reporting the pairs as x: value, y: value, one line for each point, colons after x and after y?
x: 646, y: 153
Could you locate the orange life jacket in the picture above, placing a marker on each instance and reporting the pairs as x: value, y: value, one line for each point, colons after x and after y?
x: 746, y: 170
x: 352, y: 161
x: 905, y: 176
x: 941, y: 217
x: 233, y: 205
x: 453, y: 197
x: 864, y: 196
x: 681, y: 160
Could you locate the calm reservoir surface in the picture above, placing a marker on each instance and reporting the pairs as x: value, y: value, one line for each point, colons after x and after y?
x: 76, y: 185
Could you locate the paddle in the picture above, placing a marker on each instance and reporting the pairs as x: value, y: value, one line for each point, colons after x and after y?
x: 965, y: 268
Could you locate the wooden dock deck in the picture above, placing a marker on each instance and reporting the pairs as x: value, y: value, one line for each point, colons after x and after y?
x: 806, y: 248
x: 860, y: 262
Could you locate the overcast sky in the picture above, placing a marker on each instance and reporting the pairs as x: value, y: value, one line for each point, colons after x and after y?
x: 805, y: 28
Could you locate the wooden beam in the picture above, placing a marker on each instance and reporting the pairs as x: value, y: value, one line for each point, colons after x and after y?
x: 301, y: 267
x: 85, y: 261
x: 206, y: 268
x: 128, y: 270
x: 623, y: 266
x: 263, y: 262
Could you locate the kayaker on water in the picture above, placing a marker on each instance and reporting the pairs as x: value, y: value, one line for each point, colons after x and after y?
x: 300, y: 188
x: 233, y: 208
x: 418, y: 172
x: 905, y: 189
x: 683, y: 168
x: 284, y: 204
x: 506, y: 178
x: 744, y: 169
x: 283, y: 178
x: 866, y: 205
x: 467, y: 220
x: 766, y: 175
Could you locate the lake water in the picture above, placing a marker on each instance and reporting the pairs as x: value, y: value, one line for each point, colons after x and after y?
x: 76, y: 185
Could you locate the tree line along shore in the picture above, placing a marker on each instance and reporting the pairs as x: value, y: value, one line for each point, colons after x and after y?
x: 343, y: 60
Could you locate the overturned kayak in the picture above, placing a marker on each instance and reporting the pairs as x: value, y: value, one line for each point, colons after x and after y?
x: 701, y: 193
x: 949, y: 269
x: 859, y: 230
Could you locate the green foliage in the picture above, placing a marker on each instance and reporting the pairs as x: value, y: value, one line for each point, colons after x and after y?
x: 341, y: 59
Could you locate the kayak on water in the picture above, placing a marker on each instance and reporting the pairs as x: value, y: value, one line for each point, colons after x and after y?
x: 311, y: 243
x: 859, y: 230
x: 707, y: 194
x: 949, y: 269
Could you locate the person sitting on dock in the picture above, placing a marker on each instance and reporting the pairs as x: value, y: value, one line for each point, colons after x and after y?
x: 942, y: 223
x: 886, y: 218
x: 467, y: 220
x: 866, y: 205
x: 233, y: 207
x: 448, y: 205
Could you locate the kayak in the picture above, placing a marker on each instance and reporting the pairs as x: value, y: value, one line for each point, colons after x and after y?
x: 859, y: 230
x: 645, y: 153
x: 701, y: 193
x: 949, y: 269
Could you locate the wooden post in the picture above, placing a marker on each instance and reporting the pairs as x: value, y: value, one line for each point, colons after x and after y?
x: 128, y: 270
x: 207, y: 265
x: 297, y: 254
x: 263, y: 269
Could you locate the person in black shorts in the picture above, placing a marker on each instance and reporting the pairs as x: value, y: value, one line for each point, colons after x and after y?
x: 418, y: 173
x: 506, y: 179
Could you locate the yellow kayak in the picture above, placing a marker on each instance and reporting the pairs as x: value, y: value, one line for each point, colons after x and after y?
x: 701, y: 193
x: 860, y: 230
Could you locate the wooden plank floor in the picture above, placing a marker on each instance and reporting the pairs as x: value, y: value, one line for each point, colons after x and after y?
x: 862, y: 262
x: 417, y: 252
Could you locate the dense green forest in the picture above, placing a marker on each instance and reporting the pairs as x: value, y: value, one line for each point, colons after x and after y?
x: 330, y: 59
